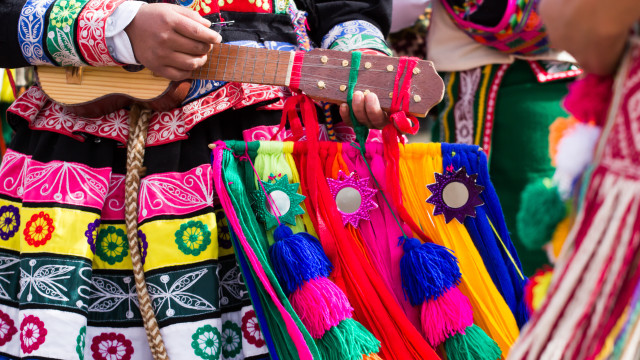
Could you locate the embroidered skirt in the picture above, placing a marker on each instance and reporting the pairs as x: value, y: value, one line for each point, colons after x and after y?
x: 66, y: 281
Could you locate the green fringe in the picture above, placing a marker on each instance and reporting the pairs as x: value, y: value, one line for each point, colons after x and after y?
x: 474, y: 344
x: 349, y: 340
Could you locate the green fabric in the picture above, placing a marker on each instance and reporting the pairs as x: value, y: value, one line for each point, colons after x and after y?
x: 236, y: 178
x: 524, y: 111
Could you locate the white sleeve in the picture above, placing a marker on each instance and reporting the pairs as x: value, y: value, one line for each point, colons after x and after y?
x: 406, y: 12
x: 117, y: 39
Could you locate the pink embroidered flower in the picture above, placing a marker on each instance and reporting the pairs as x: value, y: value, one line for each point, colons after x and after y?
x: 38, y: 229
x: 111, y: 346
x: 7, y: 328
x: 32, y: 334
x: 251, y: 329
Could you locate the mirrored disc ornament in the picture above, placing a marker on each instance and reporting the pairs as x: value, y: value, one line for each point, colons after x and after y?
x: 353, y: 197
x: 284, y: 197
x: 455, y: 195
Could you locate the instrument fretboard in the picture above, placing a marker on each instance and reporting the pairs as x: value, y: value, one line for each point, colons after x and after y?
x: 246, y: 64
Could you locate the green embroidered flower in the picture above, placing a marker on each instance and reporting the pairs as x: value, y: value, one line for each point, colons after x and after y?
x: 231, y: 339
x: 65, y: 12
x: 112, y: 245
x: 206, y: 343
x: 193, y: 237
x: 80, y: 341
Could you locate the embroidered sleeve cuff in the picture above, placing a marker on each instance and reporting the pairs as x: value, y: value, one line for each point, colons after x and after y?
x: 31, y: 31
x: 75, y: 35
x: 355, y: 35
x: 118, y: 41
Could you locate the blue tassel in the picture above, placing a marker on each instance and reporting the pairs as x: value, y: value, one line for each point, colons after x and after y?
x: 297, y: 258
x: 427, y: 270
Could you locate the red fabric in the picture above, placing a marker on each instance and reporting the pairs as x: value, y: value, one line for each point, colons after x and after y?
x: 256, y: 6
x: 374, y: 306
x: 91, y: 29
x: 296, y: 70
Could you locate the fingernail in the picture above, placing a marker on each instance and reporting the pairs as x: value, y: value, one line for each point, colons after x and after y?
x: 208, y: 23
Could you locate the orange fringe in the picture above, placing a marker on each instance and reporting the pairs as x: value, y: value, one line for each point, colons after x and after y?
x: 372, y: 356
x: 556, y: 131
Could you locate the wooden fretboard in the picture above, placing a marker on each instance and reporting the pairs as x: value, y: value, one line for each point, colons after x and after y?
x: 247, y: 65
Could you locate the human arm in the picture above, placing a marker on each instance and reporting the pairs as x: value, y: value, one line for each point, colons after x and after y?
x: 168, y: 39
x: 593, y: 31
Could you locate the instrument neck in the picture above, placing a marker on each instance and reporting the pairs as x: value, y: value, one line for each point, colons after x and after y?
x: 244, y: 64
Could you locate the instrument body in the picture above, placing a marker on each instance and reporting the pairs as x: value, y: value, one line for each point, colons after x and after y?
x: 323, y: 75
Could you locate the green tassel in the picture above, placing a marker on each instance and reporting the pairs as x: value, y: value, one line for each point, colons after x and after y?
x: 541, y: 211
x: 474, y: 344
x: 349, y: 340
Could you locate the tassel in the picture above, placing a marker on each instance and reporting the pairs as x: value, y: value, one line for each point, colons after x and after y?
x: 347, y: 341
x: 297, y: 258
x: 371, y: 356
x: 445, y: 316
x: 321, y: 305
x: 472, y: 344
x: 541, y: 211
x: 427, y: 270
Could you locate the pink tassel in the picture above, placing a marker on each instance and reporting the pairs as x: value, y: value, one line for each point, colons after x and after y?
x: 446, y: 316
x: 320, y: 304
x: 588, y: 99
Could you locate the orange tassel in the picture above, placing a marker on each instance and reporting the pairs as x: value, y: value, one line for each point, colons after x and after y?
x: 556, y: 131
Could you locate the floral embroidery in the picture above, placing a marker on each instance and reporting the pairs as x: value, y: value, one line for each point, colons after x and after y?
x: 143, y: 244
x: 80, y: 342
x: 251, y: 329
x: 206, y: 342
x: 32, y: 334
x: 112, y: 245
x: 65, y: 12
x: 224, y: 237
x: 111, y: 346
x: 30, y: 30
x: 7, y: 328
x: 38, y: 229
x: 193, y: 237
x: 231, y: 339
x: 9, y: 221
x: 92, y: 233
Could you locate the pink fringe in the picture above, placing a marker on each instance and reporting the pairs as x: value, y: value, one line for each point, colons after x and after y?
x: 320, y: 304
x: 445, y: 316
x: 588, y: 99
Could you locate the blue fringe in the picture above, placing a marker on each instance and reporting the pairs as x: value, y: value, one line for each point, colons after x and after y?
x: 502, y: 270
x: 297, y: 258
x: 253, y: 294
x: 427, y: 270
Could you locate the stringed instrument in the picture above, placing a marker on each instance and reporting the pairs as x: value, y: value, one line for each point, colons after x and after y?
x: 321, y: 74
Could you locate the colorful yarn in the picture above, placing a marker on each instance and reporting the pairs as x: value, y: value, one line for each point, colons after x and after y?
x: 556, y: 131
x: 347, y: 341
x: 321, y: 305
x: 297, y: 258
x: 446, y: 316
x: 427, y: 270
x: 541, y: 211
x: 473, y: 344
x: 589, y: 98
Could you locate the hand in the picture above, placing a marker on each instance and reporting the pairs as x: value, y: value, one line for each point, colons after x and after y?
x: 171, y: 40
x: 593, y: 31
x: 367, y: 111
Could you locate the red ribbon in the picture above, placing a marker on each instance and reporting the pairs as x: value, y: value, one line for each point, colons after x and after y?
x: 406, y: 124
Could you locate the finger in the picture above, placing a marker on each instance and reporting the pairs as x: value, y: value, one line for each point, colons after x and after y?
x: 196, y: 31
x: 184, y: 62
x: 344, y: 114
x: 374, y: 111
x: 357, y: 105
x: 188, y: 46
x: 172, y: 73
x: 192, y: 14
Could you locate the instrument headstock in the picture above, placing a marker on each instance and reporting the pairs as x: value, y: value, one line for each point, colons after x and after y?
x: 325, y: 73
